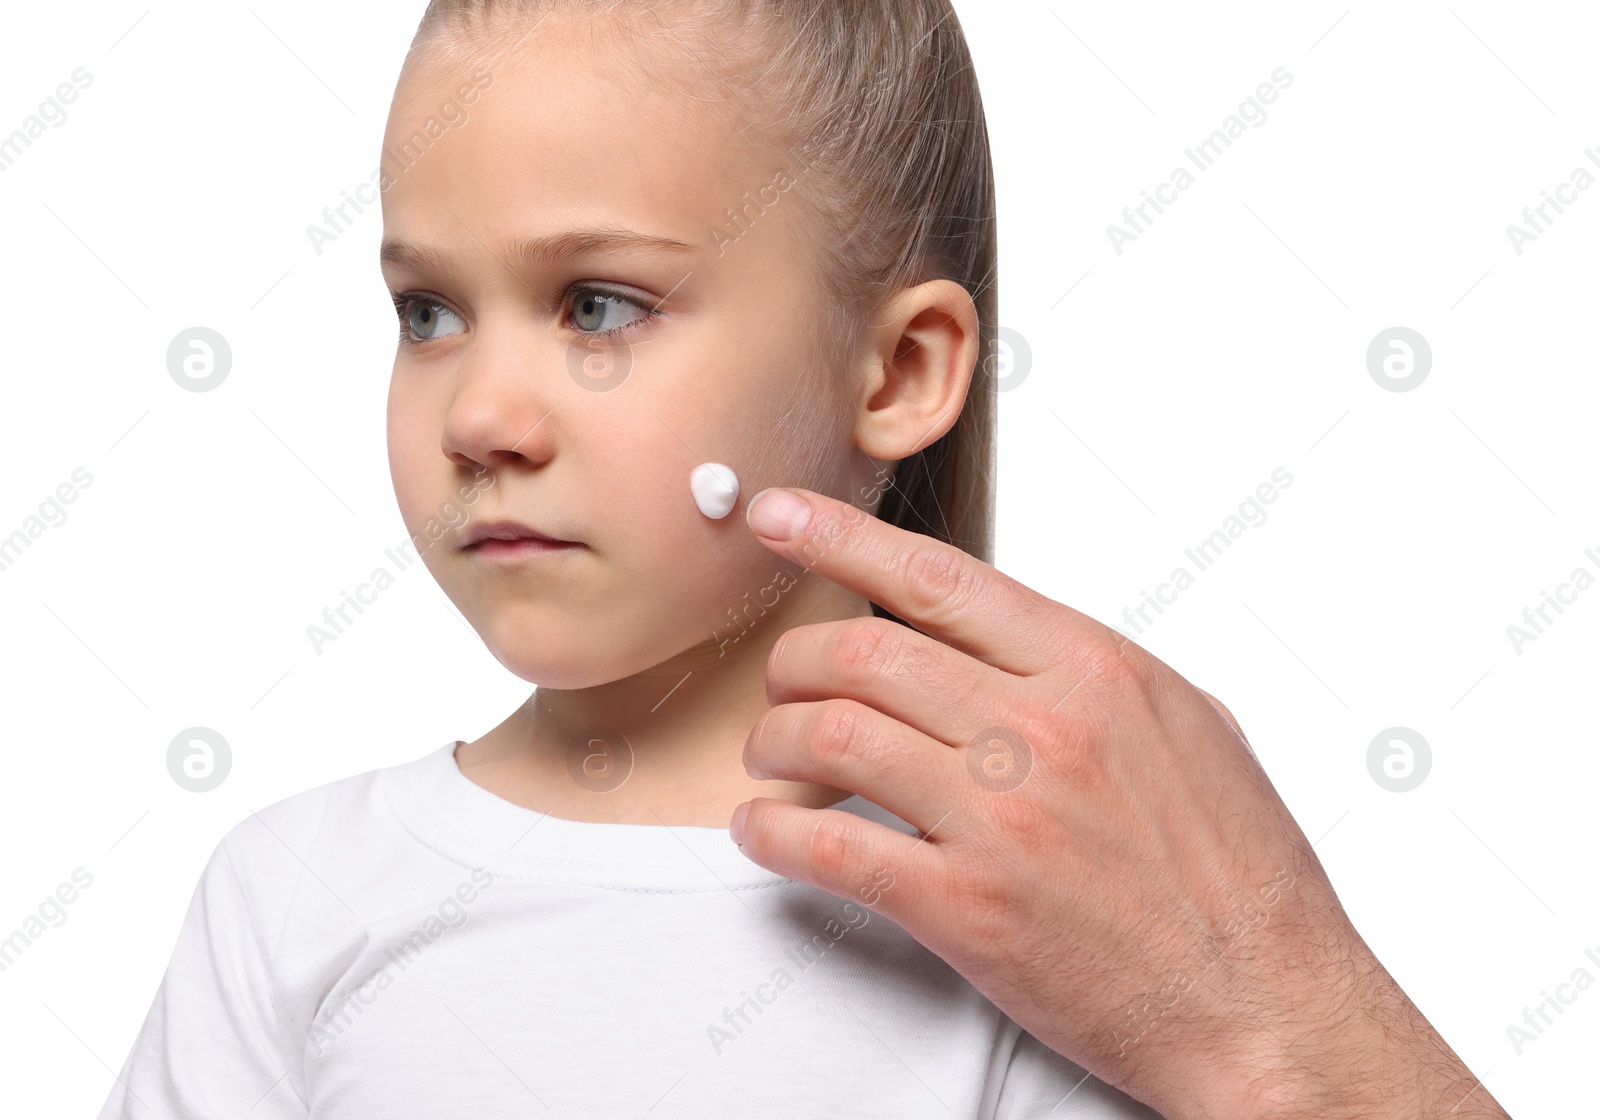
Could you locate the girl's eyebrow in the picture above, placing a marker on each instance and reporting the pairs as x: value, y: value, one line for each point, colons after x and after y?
x: 529, y: 252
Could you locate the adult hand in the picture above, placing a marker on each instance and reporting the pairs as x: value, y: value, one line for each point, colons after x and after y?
x: 1099, y: 851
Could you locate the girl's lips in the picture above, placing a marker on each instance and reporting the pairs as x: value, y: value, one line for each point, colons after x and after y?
x: 480, y: 531
x: 520, y: 549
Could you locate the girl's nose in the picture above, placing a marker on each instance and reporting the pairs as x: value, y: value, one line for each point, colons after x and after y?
x: 505, y: 399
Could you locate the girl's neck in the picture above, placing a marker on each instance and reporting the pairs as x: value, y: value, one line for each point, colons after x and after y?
x: 660, y: 747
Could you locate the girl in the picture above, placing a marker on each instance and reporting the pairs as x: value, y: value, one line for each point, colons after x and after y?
x: 626, y: 240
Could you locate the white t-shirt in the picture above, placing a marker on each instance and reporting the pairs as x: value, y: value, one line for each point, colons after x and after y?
x: 404, y: 943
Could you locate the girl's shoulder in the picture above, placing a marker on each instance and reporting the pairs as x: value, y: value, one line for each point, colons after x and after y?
x: 325, y: 833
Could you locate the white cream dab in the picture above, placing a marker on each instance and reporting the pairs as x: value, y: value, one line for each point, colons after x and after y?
x: 715, y: 488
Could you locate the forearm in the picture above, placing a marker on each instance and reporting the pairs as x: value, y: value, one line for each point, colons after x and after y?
x: 1323, y: 1034
x: 1376, y: 1055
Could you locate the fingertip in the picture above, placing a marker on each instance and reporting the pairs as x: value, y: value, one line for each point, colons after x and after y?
x: 777, y: 513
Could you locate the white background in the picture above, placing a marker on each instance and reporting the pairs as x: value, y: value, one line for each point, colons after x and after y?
x: 1228, y: 340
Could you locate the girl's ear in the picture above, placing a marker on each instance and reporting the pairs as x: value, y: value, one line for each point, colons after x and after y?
x: 922, y: 346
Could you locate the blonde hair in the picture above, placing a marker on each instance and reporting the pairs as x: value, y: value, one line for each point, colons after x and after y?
x: 878, y: 101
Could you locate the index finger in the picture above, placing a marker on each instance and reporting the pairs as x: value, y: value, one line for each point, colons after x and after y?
x: 946, y: 593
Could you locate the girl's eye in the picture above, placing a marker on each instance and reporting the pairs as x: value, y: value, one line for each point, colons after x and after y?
x: 599, y: 312
x: 595, y: 312
x: 422, y: 320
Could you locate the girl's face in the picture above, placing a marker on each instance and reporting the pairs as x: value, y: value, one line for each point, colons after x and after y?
x: 583, y: 324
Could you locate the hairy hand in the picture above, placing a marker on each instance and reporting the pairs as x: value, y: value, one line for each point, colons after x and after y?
x: 1099, y: 851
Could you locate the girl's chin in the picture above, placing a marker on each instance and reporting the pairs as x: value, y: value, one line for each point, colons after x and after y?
x: 560, y: 678
x: 558, y: 664
x: 569, y: 662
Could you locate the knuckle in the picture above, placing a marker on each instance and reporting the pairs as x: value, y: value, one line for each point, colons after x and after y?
x: 1065, y: 747
x: 840, y: 733
x: 828, y: 847
x: 1222, y: 708
x: 1016, y: 818
x: 984, y: 904
x: 939, y: 580
x: 1000, y: 758
x: 1038, y: 728
x: 867, y: 648
x: 1109, y: 662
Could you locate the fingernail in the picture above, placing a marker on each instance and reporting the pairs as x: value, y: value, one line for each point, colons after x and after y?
x: 736, y: 826
x: 778, y: 514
